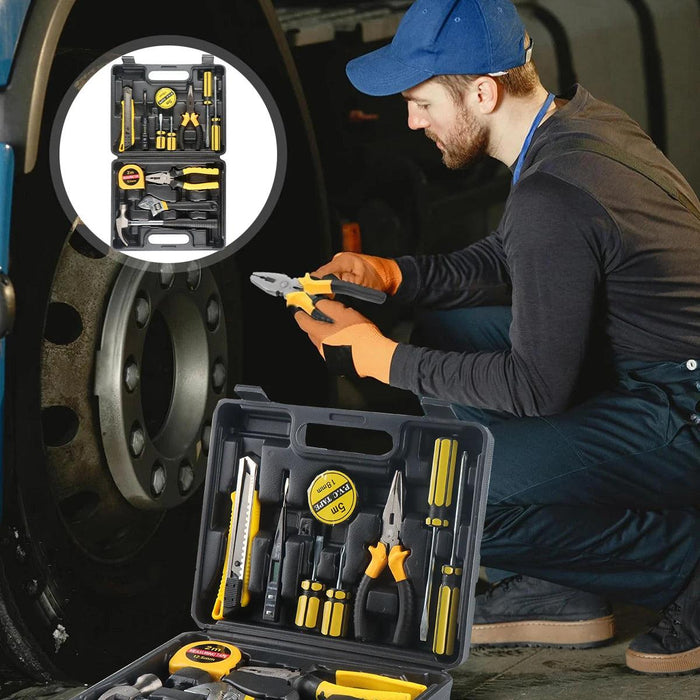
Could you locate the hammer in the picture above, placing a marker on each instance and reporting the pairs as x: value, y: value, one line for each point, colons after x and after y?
x: 123, y: 223
x: 142, y: 686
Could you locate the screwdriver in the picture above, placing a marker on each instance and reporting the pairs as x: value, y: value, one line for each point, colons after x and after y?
x: 447, y: 613
x: 206, y: 95
x: 171, y: 136
x: 309, y: 603
x: 271, y: 608
x: 216, y: 120
x: 439, y: 500
x: 160, y: 133
x: 336, y: 608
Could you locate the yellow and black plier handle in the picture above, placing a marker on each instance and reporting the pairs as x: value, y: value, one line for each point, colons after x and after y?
x: 197, y: 178
x: 395, y: 560
x: 304, y: 292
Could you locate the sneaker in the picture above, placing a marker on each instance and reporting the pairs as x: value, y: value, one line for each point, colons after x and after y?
x: 672, y: 645
x: 525, y: 611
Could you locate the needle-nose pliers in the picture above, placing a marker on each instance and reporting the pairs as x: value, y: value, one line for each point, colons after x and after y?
x: 388, y: 551
x: 190, y: 121
x: 303, y: 292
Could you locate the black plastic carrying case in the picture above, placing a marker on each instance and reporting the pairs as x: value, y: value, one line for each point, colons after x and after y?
x: 167, y: 129
x: 322, y: 502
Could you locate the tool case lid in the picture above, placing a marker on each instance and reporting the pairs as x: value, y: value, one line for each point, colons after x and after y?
x: 283, y: 438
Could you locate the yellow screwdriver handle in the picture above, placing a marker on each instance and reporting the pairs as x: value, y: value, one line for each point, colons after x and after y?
x: 309, y: 605
x: 442, y: 479
x: 336, y: 613
x: 447, y: 613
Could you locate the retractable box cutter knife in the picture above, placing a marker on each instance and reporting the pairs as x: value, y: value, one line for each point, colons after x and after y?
x: 245, y: 520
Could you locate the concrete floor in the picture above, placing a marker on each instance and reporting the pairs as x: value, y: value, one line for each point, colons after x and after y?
x: 505, y: 674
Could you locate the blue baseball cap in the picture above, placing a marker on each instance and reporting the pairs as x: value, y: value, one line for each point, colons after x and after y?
x: 444, y: 37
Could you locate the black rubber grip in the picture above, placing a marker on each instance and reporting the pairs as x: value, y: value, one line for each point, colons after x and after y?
x: 357, y: 291
x: 360, y: 613
x: 403, y: 633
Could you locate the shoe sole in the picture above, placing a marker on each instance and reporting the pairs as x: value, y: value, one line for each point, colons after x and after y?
x: 683, y: 662
x: 579, y: 634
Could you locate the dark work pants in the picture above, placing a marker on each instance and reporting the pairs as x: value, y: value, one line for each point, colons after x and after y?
x: 604, y: 497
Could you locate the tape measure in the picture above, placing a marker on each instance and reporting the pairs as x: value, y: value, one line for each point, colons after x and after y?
x: 216, y: 658
x: 165, y: 98
x: 332, y: 497
x: 130, y: 177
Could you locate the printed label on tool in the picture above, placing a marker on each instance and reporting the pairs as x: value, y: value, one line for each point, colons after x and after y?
x: 208, y: 653
x: 332, y: 497
x: 166, y: 98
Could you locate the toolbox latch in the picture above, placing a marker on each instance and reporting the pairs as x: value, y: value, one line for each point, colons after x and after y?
x: 248, y: 392
x: 437, y: 408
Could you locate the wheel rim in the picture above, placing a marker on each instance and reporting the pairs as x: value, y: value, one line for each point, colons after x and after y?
x: 127, y: 440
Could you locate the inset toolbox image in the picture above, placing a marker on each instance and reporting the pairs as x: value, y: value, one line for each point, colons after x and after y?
x: 167, y: 133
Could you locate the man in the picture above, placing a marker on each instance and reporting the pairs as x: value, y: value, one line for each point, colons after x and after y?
x: 589, y: 380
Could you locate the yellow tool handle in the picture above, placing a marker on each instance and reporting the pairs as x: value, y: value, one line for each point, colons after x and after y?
x: 378, y: 561
x: 160, y: 140
x: 197, y: 170
x: 373, y: 681
x: 447, y: 614
x: 309, y: 605
x: 206, y: 84
x: 200, y: 186
x: 171, y: 141
x: 217, y: 612
x: 216, y: 134
x: 325, y: 689
x: 442, y: 477
x: 397, y: 562
x: 121, y: 136
x: 336, y: 613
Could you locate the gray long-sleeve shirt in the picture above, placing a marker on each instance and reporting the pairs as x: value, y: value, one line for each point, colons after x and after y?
x: 585, y: 244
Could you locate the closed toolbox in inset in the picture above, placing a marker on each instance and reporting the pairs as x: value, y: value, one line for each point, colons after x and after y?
x: 167, y: 130
x: 303, y: 508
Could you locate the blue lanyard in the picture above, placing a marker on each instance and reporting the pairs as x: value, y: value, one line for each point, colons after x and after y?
x: 528, y: 138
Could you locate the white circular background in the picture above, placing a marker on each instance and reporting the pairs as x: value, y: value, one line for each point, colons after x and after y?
x: 250, y: 158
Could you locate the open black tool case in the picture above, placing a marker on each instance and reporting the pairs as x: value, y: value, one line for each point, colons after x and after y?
x: 291, y: 446
x: 155, y: 140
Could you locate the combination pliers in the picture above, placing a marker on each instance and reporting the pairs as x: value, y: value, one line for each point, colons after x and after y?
x: 195, y: 177
x: 303, y: 292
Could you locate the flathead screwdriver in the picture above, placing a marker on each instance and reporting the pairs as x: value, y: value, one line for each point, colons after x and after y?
x: 439, y: 500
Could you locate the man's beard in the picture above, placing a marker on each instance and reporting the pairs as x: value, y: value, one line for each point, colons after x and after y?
x: 465, y: 145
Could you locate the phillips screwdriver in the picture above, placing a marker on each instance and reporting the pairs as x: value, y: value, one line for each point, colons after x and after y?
x: 309, y: 603
x: 439, y: 500
x: 447, y: 613
x: 271, y: 607
x: 336, y: 608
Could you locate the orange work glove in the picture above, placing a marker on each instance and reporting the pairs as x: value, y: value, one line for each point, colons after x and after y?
x: 383, y: 274
x: 351, y: 344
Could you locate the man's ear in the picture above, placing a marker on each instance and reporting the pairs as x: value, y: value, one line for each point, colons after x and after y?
x: 485, y: 94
